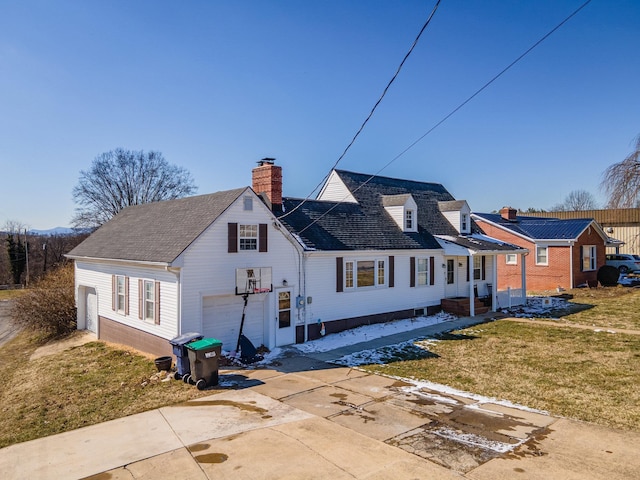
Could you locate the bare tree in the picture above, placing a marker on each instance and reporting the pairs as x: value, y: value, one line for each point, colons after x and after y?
x: 121, y: 178
x: 621, y: 181
x: 577, y: 200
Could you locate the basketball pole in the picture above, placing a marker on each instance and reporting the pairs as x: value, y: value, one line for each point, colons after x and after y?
x: 245, y: 296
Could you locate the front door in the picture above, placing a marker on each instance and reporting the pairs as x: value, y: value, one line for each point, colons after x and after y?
x: 284, y: 323
x: 451, y: 288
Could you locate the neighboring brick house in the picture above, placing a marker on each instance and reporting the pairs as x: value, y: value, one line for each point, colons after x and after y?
x: 565, y: 253
x: 623, y: 223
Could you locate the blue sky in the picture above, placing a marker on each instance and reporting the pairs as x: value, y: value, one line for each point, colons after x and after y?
x: 217, y: 85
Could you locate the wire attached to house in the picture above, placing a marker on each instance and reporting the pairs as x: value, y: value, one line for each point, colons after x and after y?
x: 449, y: 115
x: 375, y: 106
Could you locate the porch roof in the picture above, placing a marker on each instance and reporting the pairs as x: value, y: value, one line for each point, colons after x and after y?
x: 464, y: 245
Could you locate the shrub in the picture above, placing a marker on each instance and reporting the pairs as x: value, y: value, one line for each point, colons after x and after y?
x: 608, y: 276
x: 49, y: 306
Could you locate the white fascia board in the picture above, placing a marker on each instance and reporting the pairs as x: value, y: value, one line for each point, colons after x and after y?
x: 119, y: 261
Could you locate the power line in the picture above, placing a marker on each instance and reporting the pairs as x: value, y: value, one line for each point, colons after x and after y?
x: 450, y: 114
x: 375, y: 106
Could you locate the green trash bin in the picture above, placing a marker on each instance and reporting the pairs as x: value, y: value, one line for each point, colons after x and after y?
x: 204, y: 356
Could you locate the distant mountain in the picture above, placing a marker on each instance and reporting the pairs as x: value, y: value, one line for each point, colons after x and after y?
x: 55, y: 231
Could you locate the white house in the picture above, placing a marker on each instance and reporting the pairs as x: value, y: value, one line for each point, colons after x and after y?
x: 369, y: 249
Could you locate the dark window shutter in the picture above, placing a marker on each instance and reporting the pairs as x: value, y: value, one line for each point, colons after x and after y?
x: 126, y: 295
x: 232, y: 238
x: 468, y: 261
x: 581, y: 258
x: 262, y: 237
x: 432, y: 273
x: 391, y: 270
x: 140, y: 299
x: 113, y: 292
x: 339, y: 276
x: 156, y: 313
x: 484, y: 267
x: 412, y: 271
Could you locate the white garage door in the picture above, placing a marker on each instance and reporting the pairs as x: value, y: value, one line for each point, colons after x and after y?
x: 91, y: 310
x: 221, y: 317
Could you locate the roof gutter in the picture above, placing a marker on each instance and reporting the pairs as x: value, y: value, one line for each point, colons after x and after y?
x: 118, y: 260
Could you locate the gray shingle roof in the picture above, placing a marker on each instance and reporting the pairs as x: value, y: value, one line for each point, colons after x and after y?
x: 451, y: 206
x: 367, y: 225
x: 537, y: 228
x: 156, y: 232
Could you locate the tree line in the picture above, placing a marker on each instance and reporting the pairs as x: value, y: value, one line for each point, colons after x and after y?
x: 25, y: 257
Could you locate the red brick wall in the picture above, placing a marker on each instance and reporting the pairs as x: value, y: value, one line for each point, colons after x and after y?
x: 557, y: 272
x: 116, y: 332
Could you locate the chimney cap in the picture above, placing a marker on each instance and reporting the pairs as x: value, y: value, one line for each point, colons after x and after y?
x: 266, y: 161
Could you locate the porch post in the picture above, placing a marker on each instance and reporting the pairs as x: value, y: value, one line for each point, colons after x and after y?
x: 523, y: 275
x: 472, y: 299
x: 494, y: 273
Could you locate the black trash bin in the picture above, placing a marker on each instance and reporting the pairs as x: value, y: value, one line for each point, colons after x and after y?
x: 183, y: 367
x: 204, y: 358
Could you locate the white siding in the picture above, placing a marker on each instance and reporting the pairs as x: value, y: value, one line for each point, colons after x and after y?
x: 209, y: 270
x: 335, y: 190
x: 98, y: 275
x: 327, y: 304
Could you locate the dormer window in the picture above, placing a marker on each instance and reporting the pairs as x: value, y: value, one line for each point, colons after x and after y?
x: 464, y: 222
x: 403, y: 209
x: 408, y: 220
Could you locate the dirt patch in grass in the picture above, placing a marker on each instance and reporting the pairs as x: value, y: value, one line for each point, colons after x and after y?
x: 81, y: 386
x: 581, y: 374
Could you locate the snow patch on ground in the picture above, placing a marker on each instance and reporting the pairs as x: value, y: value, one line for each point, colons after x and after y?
x: 370, y: 332
x: 418, y: 386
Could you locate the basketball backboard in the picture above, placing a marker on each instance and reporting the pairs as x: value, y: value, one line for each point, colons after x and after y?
x: 253, y: 280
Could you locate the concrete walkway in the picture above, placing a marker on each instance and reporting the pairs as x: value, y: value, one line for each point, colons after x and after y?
x: 306, y: 419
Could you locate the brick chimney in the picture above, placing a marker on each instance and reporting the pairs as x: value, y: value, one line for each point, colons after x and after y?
x: 508, y: 213
x: 267, y: 180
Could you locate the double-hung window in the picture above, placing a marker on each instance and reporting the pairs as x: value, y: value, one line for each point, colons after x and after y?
x: 408, y: 219
x: 542, y: 256
x: 477, y: 267
x: 588, y: 258
x: 423, y: 271
x: 149, y: 299
x: 365, y: 273
x: 120, y: 294
x: 248, y: 235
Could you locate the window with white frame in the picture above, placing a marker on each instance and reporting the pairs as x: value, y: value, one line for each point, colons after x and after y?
x: 588, y: 258
x: 121, y: 294
x: 365, y: 273
x: 248, y: 235
x: 542, y: 255
x: 408, y: 219
x: 149, y: 300
x: 248, y: 203
x: 422, y: 271
x: 348, y: 275
x: 512, y: 259
x: 477, y: 267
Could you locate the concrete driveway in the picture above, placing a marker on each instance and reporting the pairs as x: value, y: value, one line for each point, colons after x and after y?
x: 308, y: 419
